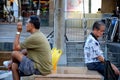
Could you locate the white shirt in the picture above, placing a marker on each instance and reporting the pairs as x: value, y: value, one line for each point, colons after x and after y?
x: 15, y: 8
x: 92, y: 49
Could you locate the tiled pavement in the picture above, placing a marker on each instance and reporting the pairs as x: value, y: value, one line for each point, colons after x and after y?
x: 5, y: 75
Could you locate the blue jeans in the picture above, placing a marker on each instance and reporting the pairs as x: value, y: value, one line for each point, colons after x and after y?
x: 97, y: 66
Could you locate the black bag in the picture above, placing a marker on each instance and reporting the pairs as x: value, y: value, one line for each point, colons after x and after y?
x: 109, y: 72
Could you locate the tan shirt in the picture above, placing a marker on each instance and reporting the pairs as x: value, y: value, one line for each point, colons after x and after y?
x: 38, y: 49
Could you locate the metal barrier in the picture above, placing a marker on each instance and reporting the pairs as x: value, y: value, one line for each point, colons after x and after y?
x: 76, y: 31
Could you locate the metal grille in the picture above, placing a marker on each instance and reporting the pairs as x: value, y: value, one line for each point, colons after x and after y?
x: 6, y: 46
x: 78, y: 29
x: 75, y: 55
x: 114, y: 53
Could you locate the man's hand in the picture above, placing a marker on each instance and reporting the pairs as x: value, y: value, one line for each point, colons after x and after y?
x: 24, y: 52
x: 100, y: 58
x: 19, y: 26
x: 10, y: 65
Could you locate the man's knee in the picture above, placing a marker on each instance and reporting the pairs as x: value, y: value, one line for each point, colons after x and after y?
x: 14, y: 53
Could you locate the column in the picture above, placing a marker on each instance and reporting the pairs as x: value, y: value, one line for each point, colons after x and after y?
x: 59, y: 28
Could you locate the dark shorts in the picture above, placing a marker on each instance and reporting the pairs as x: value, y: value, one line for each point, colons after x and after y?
x: 97, y: 66
x: 26, y: 67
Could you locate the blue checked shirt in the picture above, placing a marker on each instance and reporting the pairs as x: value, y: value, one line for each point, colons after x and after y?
x: 92, y: 50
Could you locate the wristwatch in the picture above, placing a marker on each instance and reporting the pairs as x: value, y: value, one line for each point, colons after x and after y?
x: 17, y: 32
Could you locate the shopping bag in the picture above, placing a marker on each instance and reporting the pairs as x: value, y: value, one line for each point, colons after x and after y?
x: 109, y: 72
x: 56, y: 53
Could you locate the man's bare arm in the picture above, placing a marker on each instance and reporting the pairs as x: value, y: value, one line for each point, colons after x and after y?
x: 16, y: 44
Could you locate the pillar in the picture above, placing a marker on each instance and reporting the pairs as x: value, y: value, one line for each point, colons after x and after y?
x: 59, y: 28
x: 51, y: 13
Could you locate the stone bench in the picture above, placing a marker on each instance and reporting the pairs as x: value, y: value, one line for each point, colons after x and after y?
x: 68, y: 73
x: 63, y: 73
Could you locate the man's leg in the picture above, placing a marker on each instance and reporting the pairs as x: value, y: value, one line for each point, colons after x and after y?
x: 100, y: 68
x: 97, y: 66
x: 15, y: 71
x: 16, y: 58
x: 117, y: 72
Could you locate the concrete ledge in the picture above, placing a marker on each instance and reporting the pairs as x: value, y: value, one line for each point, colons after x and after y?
x: 68, y: 73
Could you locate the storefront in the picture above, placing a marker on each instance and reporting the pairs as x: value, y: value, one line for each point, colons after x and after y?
x: 6, y: 10
x: 30, y: 7
x: 1, y: 10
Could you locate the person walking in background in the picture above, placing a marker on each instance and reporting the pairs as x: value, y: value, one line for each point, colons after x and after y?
x: 94, y: 58
x: 99, y: 10
x: 33, y: 55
